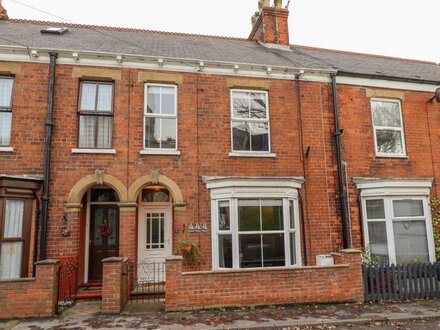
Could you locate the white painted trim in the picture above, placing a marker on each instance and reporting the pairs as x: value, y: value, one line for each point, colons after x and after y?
x: 163, y: 152
x: 166, y: 116
x: 248, y: 184
x: 252, y: 154
x: 249, y: 120
x: 96, y: 59
x: 386, y: 84
x: 417, y: 184
x: 6, y: 149
x: 400, y: 129
x: 94, y: 151
x: 390, y: 219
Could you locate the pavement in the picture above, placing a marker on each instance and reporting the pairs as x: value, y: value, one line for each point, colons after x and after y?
x: 86, y: 315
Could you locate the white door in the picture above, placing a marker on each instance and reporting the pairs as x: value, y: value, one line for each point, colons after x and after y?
x: 154, y: 242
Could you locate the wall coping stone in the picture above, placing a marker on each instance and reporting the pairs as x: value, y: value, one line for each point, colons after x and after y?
x: 14, y: 280
x: 115, y: 259
x: 351, y: 251
x: 174, y: 258
x: 265, y: 270
x: 47, y: 262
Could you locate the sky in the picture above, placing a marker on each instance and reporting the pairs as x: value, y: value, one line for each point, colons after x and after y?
x: 400, y: 28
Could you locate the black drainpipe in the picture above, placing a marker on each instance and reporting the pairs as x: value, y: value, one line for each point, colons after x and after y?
x: 37, y: 225
x: 337, y: 135
x: 47, y: 145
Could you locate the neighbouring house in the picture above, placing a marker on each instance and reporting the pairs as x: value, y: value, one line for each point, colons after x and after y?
x: 269, y: 156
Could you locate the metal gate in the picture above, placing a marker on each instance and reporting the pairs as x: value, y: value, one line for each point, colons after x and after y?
x: 147, y: 284
x: 67, y: 283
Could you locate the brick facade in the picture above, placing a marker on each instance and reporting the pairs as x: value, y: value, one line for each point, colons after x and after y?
x: 114, y: 285
x: 31, y: 297
x: 186, y: 291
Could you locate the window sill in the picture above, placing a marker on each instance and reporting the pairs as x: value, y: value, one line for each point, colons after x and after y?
x: 6, y: 149
x: 252, y: 154
x: 160, y: 152
x: 392, y: 156
x: 94, y: 151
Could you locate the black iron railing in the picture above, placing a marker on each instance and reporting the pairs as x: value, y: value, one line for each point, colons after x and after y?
x: 147, y: 282
x: 401, y: 282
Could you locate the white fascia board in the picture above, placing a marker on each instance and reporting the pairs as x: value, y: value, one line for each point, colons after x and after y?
x: 262, y: 182
x: 386, y: 84
x: 393, y: 187
x: 169, y: 64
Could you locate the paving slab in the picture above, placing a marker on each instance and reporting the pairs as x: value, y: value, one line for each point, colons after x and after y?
x: 273, y: 317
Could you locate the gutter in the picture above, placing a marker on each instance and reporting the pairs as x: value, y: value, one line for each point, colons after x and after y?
x: 337, y: 135
x: 48, y: 140
x: 387, y: 77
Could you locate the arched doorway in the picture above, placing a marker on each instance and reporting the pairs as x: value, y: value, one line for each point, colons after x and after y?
x: 102, y: 230
x: 154, y: 230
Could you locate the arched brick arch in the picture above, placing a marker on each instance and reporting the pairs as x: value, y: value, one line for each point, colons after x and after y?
x: 82, y: 186
x: 146, y: 180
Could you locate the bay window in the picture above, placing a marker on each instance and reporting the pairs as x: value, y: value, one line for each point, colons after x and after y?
x: 95, y: 115
x: 16, y: 200
x: 6, y: 85
x: 397, y: 224
x: 254, y: 226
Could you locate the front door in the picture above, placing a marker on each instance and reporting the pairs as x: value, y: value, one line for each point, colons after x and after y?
x: 104, y: 237
x: 154, y: 242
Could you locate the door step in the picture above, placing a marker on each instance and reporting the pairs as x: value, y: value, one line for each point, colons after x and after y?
x: 90, y: 291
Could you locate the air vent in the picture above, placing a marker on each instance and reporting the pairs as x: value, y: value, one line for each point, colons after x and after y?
x: 55, y: 30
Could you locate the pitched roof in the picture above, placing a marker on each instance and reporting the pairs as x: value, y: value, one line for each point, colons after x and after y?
x: 124, y: 41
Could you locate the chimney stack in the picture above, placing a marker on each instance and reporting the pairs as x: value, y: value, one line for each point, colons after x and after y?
x: 270, y: 23
x: 3, y: 13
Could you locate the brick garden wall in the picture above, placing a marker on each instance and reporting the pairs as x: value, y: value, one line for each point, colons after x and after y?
x: 339, y: 283
x: 31, y: 297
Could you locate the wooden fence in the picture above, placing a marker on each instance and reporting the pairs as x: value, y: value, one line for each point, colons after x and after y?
x: 401, y: 282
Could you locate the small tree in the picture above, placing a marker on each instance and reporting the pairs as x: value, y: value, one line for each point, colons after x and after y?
x: 435, y: 211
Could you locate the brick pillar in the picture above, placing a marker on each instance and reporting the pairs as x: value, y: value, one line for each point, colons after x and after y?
x: 127, y: 232
x: 173, y: 269
x: 114, y: 285
x: 352, y: 257
x: 46, y: 278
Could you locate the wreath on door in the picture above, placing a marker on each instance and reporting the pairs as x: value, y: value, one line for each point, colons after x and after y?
x: 105, y: 230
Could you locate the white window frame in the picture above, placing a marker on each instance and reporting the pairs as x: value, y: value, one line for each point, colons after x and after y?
x: 250, y: 153
x: 233, y: 189
x: 388, y: 128
x: 8, y: 109
x: 392, y: 190
x: 160, y: 151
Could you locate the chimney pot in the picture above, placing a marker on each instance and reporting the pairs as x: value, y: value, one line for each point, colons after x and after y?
x: 278, y: 3
x: 3, y: 12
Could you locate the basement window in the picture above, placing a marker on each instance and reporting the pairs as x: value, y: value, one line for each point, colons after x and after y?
x: 55, y: 30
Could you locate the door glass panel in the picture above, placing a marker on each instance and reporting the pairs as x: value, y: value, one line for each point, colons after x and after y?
x: 104, y: 195
x: 225, y: 251
x: 99, y: 218
x: 14, y: 219
x: 377, y: 236
x: 411, y: 241
x: 272, y: 214
x: 249, y: 215
x: 112, y: 221
x: 273, y: 250
x: 408, y: 208
x: 158, y: 194
x: 250, y: 251
x: 223, y: 216
x: 10, y: 260
x: 375, y: 209
x: 155, y: 231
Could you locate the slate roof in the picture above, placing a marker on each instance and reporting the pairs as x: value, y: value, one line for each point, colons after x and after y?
x: 207, y: 48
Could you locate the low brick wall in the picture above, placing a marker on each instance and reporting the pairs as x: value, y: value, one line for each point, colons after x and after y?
x: 195, y: 290
x: 114, y: 285
x: 31, y: 297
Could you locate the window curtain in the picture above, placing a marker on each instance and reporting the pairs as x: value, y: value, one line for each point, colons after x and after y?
x: 6, y: 92
x: 5, y: 128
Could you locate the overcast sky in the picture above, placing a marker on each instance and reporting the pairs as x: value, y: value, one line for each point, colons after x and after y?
x: 403, y: 28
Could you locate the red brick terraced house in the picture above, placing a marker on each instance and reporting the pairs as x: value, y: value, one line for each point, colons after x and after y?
x: 121, y: 143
